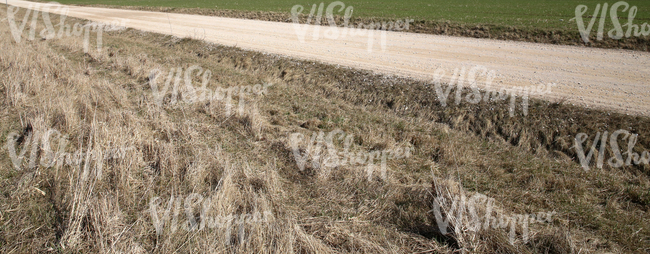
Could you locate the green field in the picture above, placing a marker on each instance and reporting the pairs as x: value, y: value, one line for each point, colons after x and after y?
x: 554, y: 15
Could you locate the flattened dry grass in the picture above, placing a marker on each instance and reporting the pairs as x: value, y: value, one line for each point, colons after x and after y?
x: 245, y: 161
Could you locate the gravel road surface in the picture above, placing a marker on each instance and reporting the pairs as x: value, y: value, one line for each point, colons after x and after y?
x: 591, y: 77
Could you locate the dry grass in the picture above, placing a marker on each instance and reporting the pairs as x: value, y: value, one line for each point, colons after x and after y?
x: 243, y: 162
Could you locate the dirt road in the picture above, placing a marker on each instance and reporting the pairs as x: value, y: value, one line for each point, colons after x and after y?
x: 591, y: 77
